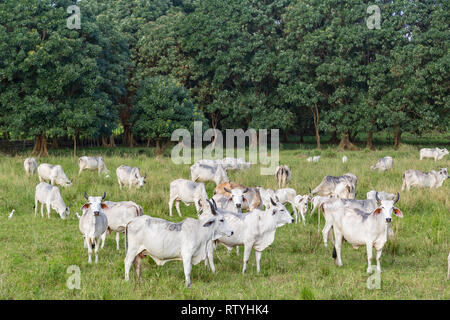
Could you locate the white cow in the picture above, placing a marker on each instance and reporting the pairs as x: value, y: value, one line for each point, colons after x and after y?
x: 233, y: 200
x: 381, y: 195
x: 251, y: 200
x: 436, y: 153
x: 188, y: 192
x: 119, y: 214
x: 254, y: 230
x: 288, y: 195
x: 316, y: 159
x: 92, y: 163
x: 30, y: 165
x: 93, y: 223
x: 344, y: 159
x: 128, y: 176
x: 329, y: 183
x: 204, y: 173
x: 163, y: 241
x: 432, y: 179
x: 360, y: 228
x: 383, y: 164
x: 283, y: 175
x: 50, y: 196
x: 54, y: 174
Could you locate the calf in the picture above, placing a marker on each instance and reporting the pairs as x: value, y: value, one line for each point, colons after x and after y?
x: 188, y: 192
x: 254, y: 230
x: 288, y: 195
x: 119, y: 214
x: 344, y: 159
x: 283, y: 174
x: 360, y: 228
x: 92, y: 163
x: 432, y: 179
x: 204, y: 173
x: 130, y: 177
x: 30, y: 166
x: 436, y: 153
x: 383, y: 164
x: 54, y: 174
x: 163, y: 241
x: 50, y: 196
x: 93, y: 223
x: 316, y: 159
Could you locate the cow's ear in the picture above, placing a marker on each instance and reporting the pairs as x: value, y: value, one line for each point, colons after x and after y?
x: 231, y: 198
x: 104, y: 206
x: 86, y: 206
x: 377, y: 211
x: 398, y: 212
x: 209, y: 222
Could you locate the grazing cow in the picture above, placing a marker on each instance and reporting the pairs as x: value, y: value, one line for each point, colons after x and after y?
x: 386, y: 163
x: 301, y: 205
x: 360, y: 227
x: 30, y: 165
x: 92, y: 163
x: 252, y: 198
x: 235, y: 164
x: 436, y: 153
x: 93, y: 223
x: 283, y: 174
x: 432, y: 179
x: 204, y: 173
x: 188, y: 192
x: 316, y: 159
x: 50, y: 196
x: 344, y: 159
x: 130, y: 177
x: 329, y: 183
x: 310, y: 159
x: 54, y: 174
x: 163, y: 241
x: 119, y: 214
x: 381, y: 194
x: 254, y: 230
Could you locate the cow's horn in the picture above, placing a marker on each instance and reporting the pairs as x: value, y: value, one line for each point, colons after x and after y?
x: 215, y: 204
x: 397, y: 198
x: 246, y: 189
x: 213, y: 211
x: 273, y: 202
x: 376, y: 196
x: 104, y: 195
x: 225, y: 188
x: 86, y: 195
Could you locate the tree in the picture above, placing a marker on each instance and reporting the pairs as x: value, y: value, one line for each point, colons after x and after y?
x: 161, y: 106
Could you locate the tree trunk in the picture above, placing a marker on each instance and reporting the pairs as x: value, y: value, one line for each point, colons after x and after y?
x: 334, y: 138
x: 75, y: 146
x: 369, y: 144
x: 127, y: 136
x: 40, y: 146
x: 315, y: 113
x: 112, y: 143
x: 285, y: 137
x: 345, y: 143
x: 55, y: 143
x: 104, y: 142
x: 161, y: 147
x: 397, y: 137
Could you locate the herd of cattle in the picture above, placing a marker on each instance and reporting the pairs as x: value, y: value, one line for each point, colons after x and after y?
x: 221, y: 219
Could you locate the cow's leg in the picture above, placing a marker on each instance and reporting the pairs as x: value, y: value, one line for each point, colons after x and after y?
x: 103, y: 238
x: 85, y: 244
x: 36, y: 203
x: 129, y: 259
x: 170, y: 205
x: 258, y: 260
x: 247, y: 251
x: 120, y: 184
x: 137, y: 266
x: 187, y: 265
x: 325, y: 231
x: 379, y: 259
x: 97, y: 246
x: 79, y: 172
x: 337, y: 246
x: 403, y: 184
x: 117, y: 241
x: 42, y: 209
x: 90, y: 244
x: 210, y: 257
x: 177, y: 205
x: 48, y: 210
x: 369, y: 246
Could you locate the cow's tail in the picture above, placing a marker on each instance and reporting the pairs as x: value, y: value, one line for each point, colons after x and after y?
x: 126, y: 236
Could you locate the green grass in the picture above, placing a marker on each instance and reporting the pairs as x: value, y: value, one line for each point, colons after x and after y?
x: 35, y: 252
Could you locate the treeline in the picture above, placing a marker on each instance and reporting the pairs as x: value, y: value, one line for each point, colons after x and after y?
x: 140, y: 69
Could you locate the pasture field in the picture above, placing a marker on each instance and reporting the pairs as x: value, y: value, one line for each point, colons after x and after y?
x: 36, y: 252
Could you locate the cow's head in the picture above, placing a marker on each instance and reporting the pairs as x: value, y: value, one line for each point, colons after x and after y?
x: 218, y: 223
x: 279, y: 213
x: 444, y: 151
x: 386, y: 208
x: 237, y: 195
x: 140, y: 179
x: 444, y: 173
x: 95, y: 204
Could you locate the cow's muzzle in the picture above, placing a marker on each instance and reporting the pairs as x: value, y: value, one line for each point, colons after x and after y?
x: 388, y: 220
x: 96, y: 213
